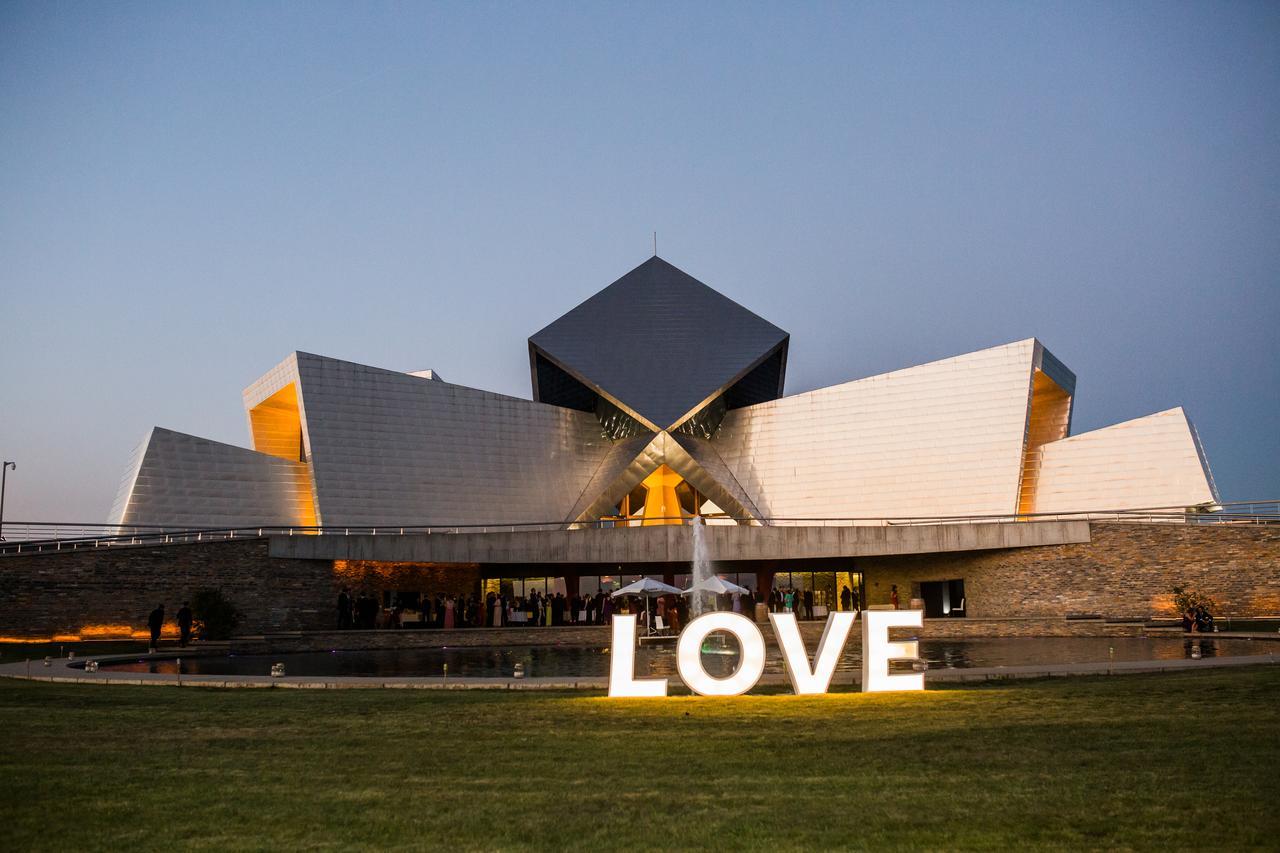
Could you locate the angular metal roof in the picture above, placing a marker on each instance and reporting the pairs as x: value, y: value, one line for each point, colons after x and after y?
x: 657, y: 343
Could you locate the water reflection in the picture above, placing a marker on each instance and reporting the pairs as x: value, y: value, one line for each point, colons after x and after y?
x: 719, y: 660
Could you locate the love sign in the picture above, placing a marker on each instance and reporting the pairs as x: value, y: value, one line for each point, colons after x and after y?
x: 808, y: 676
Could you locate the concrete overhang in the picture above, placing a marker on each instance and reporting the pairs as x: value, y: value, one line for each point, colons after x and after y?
x: 671, y: 544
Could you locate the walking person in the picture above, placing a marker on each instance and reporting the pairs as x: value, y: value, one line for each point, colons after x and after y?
x: 155, y: 621
x: 184, y: 624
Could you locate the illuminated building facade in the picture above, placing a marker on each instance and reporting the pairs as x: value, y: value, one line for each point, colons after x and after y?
x: 615, y: 437
x: 957, y: 485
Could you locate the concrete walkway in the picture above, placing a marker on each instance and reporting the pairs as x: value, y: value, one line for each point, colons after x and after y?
x: 59, y: 670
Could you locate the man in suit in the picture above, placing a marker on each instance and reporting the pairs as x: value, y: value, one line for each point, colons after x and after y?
x: 155, y: 622
x: 184, y: 624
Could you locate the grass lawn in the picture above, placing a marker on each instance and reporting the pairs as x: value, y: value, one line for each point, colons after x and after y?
x: 1144, y: 761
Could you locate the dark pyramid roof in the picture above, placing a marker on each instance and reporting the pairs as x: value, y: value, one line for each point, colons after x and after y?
x: 657, y: 342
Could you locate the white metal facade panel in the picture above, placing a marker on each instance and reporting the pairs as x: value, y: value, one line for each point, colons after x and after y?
x: 183, y: 481
x: 1140, y: 464
x: 388, y: 448
x: 125, y: 490
x: 940, y: 439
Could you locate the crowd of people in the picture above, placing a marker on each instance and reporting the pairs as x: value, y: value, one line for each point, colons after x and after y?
x: 496, y: 610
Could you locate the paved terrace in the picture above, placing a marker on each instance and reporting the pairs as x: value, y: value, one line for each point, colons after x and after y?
x: 674, y: 543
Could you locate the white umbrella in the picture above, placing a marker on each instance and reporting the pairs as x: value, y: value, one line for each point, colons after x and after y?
x: 648, y: 587
x: 718, y: 585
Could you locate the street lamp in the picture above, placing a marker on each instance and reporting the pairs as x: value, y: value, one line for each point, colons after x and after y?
x: 4, y: 471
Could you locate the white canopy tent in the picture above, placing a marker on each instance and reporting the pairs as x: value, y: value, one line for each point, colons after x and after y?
x: 647, y: 587
x: 717, y: 586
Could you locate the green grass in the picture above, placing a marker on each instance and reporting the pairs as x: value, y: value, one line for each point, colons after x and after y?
x: 1143, y: 762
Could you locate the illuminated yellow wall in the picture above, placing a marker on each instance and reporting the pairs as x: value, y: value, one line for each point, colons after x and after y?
x: 1047, y: 421
x: 661, y: 505
x: 276, y: 424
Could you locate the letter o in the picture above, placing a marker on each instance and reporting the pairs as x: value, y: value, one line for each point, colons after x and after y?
x: 689, y: 654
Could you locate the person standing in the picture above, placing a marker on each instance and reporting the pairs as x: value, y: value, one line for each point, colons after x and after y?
x: 184, y: 624
x: 808, y: 605
x: 155, y: 621
x: 344, y: 609
x: 846, y: 599
x: 893, y: 596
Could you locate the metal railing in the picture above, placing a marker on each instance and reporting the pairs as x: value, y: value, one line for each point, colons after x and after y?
x: 28, y: 537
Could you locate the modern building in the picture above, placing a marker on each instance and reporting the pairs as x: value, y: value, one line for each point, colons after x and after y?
x: 615, y: 436
x: 937, y: 478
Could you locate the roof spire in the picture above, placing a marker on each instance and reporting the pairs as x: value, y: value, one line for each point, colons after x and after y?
x: 655, y: 244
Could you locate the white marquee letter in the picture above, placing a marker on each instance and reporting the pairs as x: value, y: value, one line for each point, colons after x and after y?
x: 803, y: 679
x: 689, y: 654
x: 622, y: 663
x: 877, y: 651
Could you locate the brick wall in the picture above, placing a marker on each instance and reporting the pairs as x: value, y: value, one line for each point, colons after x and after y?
x: 63, y: 593
x: 1127, y: 570
x: 431, y: 578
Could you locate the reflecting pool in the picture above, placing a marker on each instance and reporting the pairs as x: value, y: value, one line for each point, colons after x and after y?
x: 719, y: 660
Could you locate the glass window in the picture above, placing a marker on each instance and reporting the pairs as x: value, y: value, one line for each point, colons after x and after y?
x: 636, y: 500
x: 853, y: 582
x: 687, y: 497
x: 824, y: 590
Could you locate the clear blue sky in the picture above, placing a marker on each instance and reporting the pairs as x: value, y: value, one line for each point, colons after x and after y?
x: 191, y: 191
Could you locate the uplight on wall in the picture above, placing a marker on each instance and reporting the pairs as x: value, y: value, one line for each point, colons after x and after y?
x: 751, y: 659
x: 804, y: 678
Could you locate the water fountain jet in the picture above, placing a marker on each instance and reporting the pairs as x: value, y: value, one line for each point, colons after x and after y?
x: 701, y: 567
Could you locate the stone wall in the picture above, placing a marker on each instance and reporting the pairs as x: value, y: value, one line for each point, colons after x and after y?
x: 1126, y: 571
